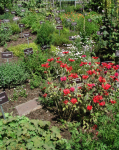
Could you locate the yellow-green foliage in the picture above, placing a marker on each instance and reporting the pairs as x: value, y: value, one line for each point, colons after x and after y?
x: 54, y: 49
x: 19, y: 49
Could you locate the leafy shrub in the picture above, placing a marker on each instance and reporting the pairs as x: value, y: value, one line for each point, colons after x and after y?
x: 60, y: 40
x: 22, y: 133
x: 29, y: 19
x: 69, y: 9
x: 35, y: 27
x: 15, y: 28
x: 19, y: 49
x: 44, y: 35
x: 33, y: 64
x: 35, y: 81
x: 4, y: 35
x: 6, y: 16
x: 12, y: 74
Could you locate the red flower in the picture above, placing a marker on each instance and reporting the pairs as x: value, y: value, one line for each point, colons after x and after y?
x: 73, y: 75
x: 45, y: 65
x: 65, y: 102
x: 59, y: 62
x: 45, y: 72
x: 49, y: 83
x: 66, y: 91
x: 101, y: 79
x: 73, y: 100
x: 112, y: 101
x: 71, y: 60
x: 44, y: 95
x: 69, y: 68
x: 58, y: 58
x: 105, y: 93
x: 94, y: 127
x: 102, y: 103
x: 62, y: 65
x: 97, y: 98
x: 95, y: 57
x: 65, y: 52
x: 83, y: 63
x: 97, y: 63
x: 91, y: 85
x: 89, y: 72
x: 84, y: 76
x: 97, y: 133
x: 89, y: 107
x: 50, y: 59
x: 106, y: 87
x: 80, y: 87
x: 114, y: 67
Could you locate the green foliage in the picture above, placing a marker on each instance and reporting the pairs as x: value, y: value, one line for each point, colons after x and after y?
x: 32, y: 20
x: 44, y: 35
x: 4, y: 34
x: 15, y: 28
x: 18, y: 10
x: 69, y: 9
x: 54, y: 50
x: 19, y: 49
x: 33, y: 64
x: 12, y: 74
x: 6, y: 4
x: 22, y: 133
x: 60, y: 40
x: 6, y: 16
x: 19, y: 91
x: 35, y: 81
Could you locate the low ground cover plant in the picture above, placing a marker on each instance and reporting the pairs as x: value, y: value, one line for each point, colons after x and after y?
x: 19, y: 49
x: 22, y: 133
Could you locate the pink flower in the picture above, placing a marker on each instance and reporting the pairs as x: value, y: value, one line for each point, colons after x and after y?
x: 63, y: 78
x: 116, y: 74
x: 89, y: 63
x: 83, y: 56
x: 105, y: 72
x: 72, y: 89
x: 117, y: 66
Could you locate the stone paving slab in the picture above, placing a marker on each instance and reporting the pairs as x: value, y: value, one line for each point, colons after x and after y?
x: 26, y: 108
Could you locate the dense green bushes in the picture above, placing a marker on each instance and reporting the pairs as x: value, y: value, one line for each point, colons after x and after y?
x: 44, y: 35
x: 12, y: 74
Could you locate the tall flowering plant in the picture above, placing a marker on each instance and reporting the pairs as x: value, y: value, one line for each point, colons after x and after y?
x: 95, y: 92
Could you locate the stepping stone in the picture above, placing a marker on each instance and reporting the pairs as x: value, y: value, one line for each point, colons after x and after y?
x: 26, y: 108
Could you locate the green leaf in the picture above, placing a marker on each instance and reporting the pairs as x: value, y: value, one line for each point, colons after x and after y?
x: 56, y: 131
x: 117, y: 115
x: 29, y: 145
